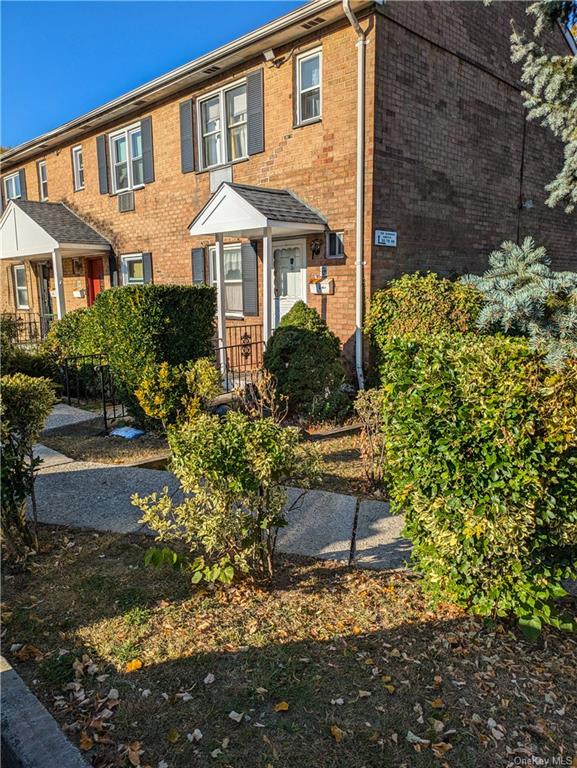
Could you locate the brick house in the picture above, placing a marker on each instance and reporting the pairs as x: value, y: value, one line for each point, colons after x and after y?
x: 253, y: 168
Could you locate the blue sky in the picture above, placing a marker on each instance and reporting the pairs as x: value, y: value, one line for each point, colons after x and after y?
x: 61, y: 59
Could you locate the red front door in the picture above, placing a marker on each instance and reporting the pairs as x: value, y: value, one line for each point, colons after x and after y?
x: 94, y: 279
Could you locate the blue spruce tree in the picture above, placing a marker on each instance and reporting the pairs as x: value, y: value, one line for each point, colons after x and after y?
x: 524, y: 297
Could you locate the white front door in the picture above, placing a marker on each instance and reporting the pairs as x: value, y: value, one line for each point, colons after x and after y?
x: 289, y: 264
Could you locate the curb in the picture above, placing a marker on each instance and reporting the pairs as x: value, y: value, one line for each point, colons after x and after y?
x: 31, y: 738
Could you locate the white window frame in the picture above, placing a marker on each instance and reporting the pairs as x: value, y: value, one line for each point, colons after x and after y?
x: 16, y: 269
x: 303, y: 57
x: 78, y: 167
x: 15, y: 177
x: 212, y: 272
x: 224, y: 126
x: 126, y: 133
x: 43, y: 182
x: 125, y: 259
x: 340, y: 237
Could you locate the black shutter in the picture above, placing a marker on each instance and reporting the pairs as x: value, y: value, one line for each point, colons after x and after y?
x: 249, y: 280
x: 102, y: 153
x: 198, y: 273
x: 187, y: 136
x: 147, y: 267
x: 147, y: 151
x: 22, y: 175
x: 255, y: 116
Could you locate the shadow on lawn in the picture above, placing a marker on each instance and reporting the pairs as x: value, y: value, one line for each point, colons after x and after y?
x: 439, y: 676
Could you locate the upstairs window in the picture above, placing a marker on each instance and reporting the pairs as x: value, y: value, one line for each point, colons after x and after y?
x: 126, y: 159
x: 42, y: 180
x: 21, y: 287
x: 222, y: 126
x: 12, y: 188
x: 309, y: 87
x: 78, y: 168
x: 232, y: 278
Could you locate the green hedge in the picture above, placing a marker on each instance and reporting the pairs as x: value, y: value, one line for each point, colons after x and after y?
x: 138, y: 327
x: 419, y: 305
x: 481, y: 456
x: 142, y: 325
x: 305, y: 358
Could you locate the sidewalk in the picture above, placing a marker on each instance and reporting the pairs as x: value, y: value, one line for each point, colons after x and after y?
x: 330, y: 526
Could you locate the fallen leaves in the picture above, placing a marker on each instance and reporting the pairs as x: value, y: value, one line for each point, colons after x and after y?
x: 282, y: 706
x: 133, y: 665
x: 337, y: 733
x: 85, y: 742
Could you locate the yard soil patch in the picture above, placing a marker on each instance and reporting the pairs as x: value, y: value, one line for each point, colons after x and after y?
x: 326, y: 667
x: 88, y: 441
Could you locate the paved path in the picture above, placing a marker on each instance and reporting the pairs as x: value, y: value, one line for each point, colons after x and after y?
x: 62, y: 415
x: 330, y: 526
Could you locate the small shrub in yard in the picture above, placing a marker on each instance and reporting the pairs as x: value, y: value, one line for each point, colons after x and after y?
x: 304, y: 356
x: 173, y: 393
x: 369, y: 406
x: 232, y: 471
x: 73, y: 335
x: 25, y: 403
x: 481, y: 456
x: 419, y: 305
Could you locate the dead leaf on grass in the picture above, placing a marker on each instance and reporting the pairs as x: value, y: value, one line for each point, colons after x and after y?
x: 133, y: 665
x: 337, y: 733
x: 86, y: 742
x: 282, y: 706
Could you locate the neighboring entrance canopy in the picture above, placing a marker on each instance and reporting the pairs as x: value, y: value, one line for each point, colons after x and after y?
x: 33, y: 230
x: 241, y: 210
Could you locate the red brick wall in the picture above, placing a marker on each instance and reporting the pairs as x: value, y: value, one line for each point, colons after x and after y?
x: 449, y: 146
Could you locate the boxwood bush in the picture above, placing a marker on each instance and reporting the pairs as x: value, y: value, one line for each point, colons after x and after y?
x: 418, y: 305
x: 304, y: 356
x: 481, y: 456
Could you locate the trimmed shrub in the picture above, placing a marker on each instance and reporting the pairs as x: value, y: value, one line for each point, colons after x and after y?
x: 25, y: 403
x: 233, y: 472
x: 481, y: 456
x: 418, y: 305
x: 304, y: 356
x: 73, y: 335
x: 138, y: 327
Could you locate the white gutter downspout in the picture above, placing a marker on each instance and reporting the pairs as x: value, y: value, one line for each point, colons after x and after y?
x: 360, y: 192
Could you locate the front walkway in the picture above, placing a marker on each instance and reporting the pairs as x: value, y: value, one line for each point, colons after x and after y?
x: 330, y: 526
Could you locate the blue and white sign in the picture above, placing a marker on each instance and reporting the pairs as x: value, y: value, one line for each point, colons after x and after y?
x: 386, y: 238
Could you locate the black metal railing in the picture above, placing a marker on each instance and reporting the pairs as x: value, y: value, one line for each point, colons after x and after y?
x: 87, y: 380
x: 240, y: 359
x: 29, y: 327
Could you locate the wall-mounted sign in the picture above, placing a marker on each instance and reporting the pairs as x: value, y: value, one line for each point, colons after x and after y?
x: 386, y: 238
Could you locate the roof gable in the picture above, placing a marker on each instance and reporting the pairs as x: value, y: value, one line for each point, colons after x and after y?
x: 239, y: 209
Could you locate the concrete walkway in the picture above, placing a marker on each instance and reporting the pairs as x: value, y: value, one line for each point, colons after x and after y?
x: 330, y: 526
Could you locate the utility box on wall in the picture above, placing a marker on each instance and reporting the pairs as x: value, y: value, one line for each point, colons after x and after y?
x: 322, y: 286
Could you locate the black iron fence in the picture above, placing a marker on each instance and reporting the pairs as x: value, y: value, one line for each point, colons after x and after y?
x: 88, y: 381
x: 240, y: 359
x: 29, y: 327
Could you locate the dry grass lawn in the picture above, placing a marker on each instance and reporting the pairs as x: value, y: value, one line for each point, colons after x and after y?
x: 328, y: 667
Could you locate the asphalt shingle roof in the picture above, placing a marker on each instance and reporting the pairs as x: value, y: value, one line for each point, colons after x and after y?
x: 61, y: 223
x: 278, y: 204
